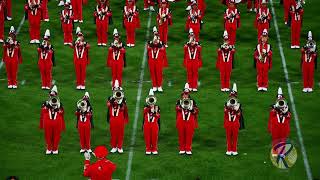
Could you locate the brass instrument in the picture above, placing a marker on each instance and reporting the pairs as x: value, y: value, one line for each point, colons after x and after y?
x: 82, y: 105
x: 233, y: 103
x: 118, y: 94
x: 151, y: 100
x: 54, y: 102
x: 186, y: 103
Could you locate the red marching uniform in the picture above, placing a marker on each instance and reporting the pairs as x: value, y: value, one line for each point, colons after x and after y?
x: 201, y: 5
x: 2, y: 19
x: 45, y: 12
x: 116, y: 61
x: 45, y: 63
x: 232, y: 22
x: 9, y: 9
x: 84, y: 126
x: 186, y: 123
x: 263, y: 63
x: 102, y: 169
x: 131, y: 22
x: 52, y: 121
x: 33, y: 9
x: 81, y: 60
x: 102, y: 16
x: 286, y: 9
x: 11, y: 58
x: 279, y: 121
x: 296, y: 13
x: 77, y: 9
x: 194, y: 20
x: 308, y: 65
x: 67, y: 24
x: 225, y: 65
x: 151, y: 127
x: 164, y: 19
x: 117, y: 117
x: 263, y: 18
x: 192, y: 62
x: 233, y: 121
x: 157, y: 60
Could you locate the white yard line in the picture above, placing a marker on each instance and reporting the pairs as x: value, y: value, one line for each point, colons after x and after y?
x: 293, y: 106
x: 23, y: 82
x: 17, y: 32
x: 137, y: 111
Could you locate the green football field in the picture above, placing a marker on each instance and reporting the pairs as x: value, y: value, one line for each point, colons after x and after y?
x: 22, y: 151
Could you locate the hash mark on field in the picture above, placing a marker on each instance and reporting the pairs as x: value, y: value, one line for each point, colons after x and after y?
x: 169, y: 83
x: 23, y: 82
x: 137, y: 111
x: 297, y: 124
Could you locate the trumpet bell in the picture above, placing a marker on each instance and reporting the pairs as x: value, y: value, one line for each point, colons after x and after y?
x: 54, y: 102
x: 118, y: 94
x: 151, y: 100
x: 186, y: 103
x: 82, y: 105
x: 281, y: 103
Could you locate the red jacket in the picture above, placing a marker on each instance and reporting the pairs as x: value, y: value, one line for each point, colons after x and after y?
x: 232, y: 18
x: 263, y: 16
x: 66, y: 16
x: 279, y: 123
x: 14, y: 55
x: 100, y: 170
x: 116, y: 56
x: 99, y: 15
x: 157, y: 54
x: 167, y: 16
x: 131, y: 15
x: 225, y: 57
x: 81, y: 53
x: 186, y: 116
x: 231, y: 118
x: 265, y: 58
x: 47, y: 116
x: 192, y: 54
x: 151, y: 118
x: 120, y: 110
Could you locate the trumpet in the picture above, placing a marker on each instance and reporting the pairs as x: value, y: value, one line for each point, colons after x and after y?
x: 118, y: 94
x: 54, y: 102
x: 186, y: 103
x: 151, y: 100
x: 82, y: 105
x: 281, y: 103
x: 233, y: 103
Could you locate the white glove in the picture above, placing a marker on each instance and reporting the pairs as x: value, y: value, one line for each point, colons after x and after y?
x: 87, y: 156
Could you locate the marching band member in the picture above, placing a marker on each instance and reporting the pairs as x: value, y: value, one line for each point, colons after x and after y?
x: 117, y: 117
x: 45, y: 12
x: 148, y: 5
x: 286, y: 9
x: 2, y: 19
x: 11, y: 58
x: 296, y: 13
x: 232, y: 21
x: 225, y: 62
x: 157, y: 60
x: 33, y: 9
x: 102, y: 168
x: 201, y: 5
x: 164, y: 19
x: 308, y: 63
x: 9, y: 9
x: 131, y: 22
x: 186, y: 121
x: 151, y: 124
x: 77, y: 10
x: 52, y: 121
x: 263, y: 18
x: 279, y: 120
x: 80, y: 59
x: 194, y: 20
x: 116, y: 36
x: 67, y: 23
x: 263, y: 61
x: 46, y: 60
x: 233, y: 121
x: 102, y: 15
x: 192, y: 62
x: 116, y: 60
x: 84, y: 122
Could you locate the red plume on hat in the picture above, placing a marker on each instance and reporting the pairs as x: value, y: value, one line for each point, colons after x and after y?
x: 100, y: 152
